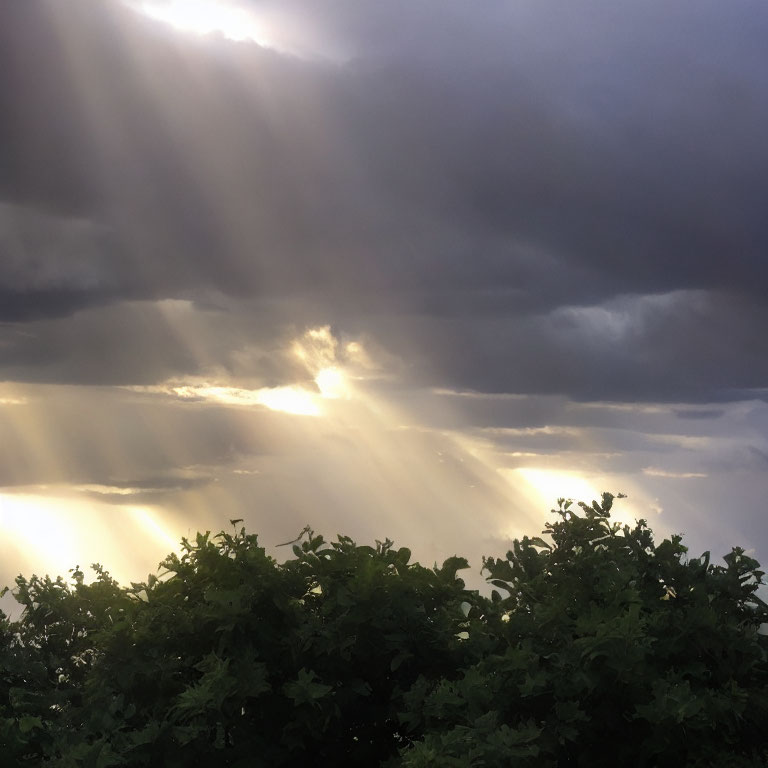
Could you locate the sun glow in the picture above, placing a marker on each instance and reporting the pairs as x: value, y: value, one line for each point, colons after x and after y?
x: 52, y: 534
x: 203, y: 17
x: 288, y: 399
x: 545, y: 486
x: 332, y: 383
x: 553, y: 484
x: 316, y: 350
x: 38, y: 528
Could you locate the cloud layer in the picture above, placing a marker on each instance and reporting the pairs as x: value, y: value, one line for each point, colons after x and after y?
x: 531, y: 184
x: 541, y: 230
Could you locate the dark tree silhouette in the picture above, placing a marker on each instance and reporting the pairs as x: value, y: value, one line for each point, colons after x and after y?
x: 596, y: 647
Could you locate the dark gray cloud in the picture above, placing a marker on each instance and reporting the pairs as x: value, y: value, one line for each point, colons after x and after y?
x: 531, y: 199
x: 700, y: 413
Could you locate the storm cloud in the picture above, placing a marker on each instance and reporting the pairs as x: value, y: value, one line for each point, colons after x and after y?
x: 483, y: 177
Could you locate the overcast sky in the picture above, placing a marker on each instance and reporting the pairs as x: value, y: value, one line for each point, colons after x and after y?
x: 409, y: 269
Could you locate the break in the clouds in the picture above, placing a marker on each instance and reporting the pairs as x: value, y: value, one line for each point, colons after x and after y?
x: 528, y: 238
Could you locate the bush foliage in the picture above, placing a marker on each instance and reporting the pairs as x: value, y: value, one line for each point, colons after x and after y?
x: 596, y: 647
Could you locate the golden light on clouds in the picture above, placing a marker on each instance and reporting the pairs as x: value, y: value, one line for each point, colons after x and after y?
x: 203, y: 17
x: 656, y: 472
x: 316, y: 350
x: 288, y: 399
x: 11, y: 395
x: 368, y: 463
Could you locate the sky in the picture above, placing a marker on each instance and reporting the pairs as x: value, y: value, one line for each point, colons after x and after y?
x: 407, y: 269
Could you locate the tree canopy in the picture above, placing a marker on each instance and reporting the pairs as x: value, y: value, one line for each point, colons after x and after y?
x: 596, y: 647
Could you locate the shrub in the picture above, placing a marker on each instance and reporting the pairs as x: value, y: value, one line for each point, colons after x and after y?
x: 596, y: 647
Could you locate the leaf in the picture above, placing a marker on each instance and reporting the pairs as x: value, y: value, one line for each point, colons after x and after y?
x: 404, y: 555
x: 359, y: 686
x: 398, y: 659
x: 210, y: 692
x: 28, y: 723
x: 451, y: 566
x: 184, y: 734
x: 304, y: 690
x: 579, y: 646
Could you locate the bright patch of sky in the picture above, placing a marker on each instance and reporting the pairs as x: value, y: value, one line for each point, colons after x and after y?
x: 233, y: 20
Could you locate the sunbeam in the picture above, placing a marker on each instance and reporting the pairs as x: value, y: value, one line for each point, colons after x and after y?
x: 52, y: 530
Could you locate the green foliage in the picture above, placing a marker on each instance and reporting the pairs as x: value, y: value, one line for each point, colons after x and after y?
x: 596, y: 647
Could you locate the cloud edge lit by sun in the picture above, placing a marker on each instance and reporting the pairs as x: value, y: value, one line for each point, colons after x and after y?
x: 229, y: 19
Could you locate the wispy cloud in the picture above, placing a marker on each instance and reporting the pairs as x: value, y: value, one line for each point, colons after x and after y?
x: 656, y: 472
